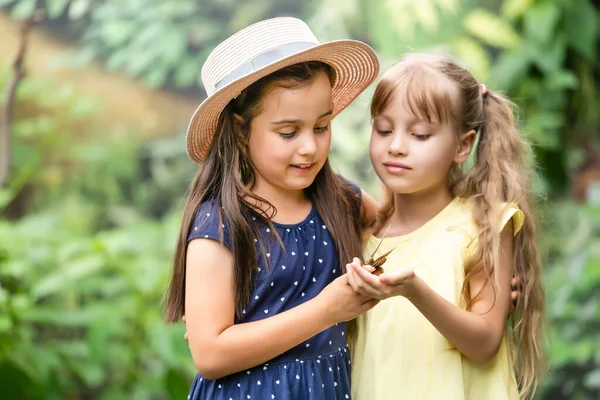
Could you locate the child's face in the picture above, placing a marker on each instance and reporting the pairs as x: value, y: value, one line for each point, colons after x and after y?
x: 290, y: 139
x: 409, y: 154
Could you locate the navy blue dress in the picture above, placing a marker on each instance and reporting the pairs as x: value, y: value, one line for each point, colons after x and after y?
x: 317, y: 369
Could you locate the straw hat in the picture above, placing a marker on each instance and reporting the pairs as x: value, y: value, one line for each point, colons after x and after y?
x: 263, y: 48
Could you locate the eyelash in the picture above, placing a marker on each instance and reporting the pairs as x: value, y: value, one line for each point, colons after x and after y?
x: 319, y: 129
x: 421, y: 137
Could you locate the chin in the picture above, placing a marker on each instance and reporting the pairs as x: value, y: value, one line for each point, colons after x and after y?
x: 400, y: 187
x: 301, y: 184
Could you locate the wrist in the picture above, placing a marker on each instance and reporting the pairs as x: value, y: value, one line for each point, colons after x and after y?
x: 322, y: 311
x: 416, y: 290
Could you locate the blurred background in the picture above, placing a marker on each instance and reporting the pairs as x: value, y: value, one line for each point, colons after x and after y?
x: 96, y: 96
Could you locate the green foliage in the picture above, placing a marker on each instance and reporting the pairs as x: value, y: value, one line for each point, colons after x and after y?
x: 53, y: 116
x: 82, y: 274
x: 540, y: 53
x: 573, y: 291
x: 164, y: 42
x: 80, y: 309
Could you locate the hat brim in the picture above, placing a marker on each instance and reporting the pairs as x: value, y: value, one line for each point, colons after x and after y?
x: 356, y: 67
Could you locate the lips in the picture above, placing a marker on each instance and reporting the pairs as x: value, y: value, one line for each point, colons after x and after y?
x: 303, y: 166
x: 394, y: 164
x: 396, y: 168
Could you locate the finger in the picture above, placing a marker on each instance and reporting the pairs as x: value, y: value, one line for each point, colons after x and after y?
x: 183, y: 319
x: 515, y: 283
x: 351, y: 277
x: 514, y: 295
x: 185, y: 336
x: 367, y: 283
x: 369, y: 268
x: 356, y: 261
x: 364, y: 273
x: 397, y: 277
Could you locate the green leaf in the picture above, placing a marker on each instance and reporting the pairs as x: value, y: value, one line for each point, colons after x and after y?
x: 65, y: 278
x: 156, y: 77
x: 510, y: 69
x: 177, y: 384
x: 15, y: 382
x: 117, y: 32
x: 5, y: 323
x: 426, y: 14
x: 491, y: 29
x: 549, y: 58
x: 561, y: 80
x: 6, y: 196
x: 56, y: 7
x: 448, y: 5
x: 515, y: 8
x: 592, y: 379
x: 581, y: 27
x: 540, y: 22
x: 474, y: 57
x: 72, y: 318
x: 23, y: 9
x: 117, y: 59
x: 187, y: 73
x: 79, y: 8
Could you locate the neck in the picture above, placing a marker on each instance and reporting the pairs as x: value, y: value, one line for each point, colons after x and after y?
x: 291, y: 205
x: 413, y: 210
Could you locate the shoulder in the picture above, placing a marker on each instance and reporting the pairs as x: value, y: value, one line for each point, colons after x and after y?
x: 353, y: 187
x: 511, y: 212
x: 366, y: 206
x: 209, y: 223
x: 505, y: 213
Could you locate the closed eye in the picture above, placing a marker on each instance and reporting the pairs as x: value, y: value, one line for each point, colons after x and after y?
x: 287, y: 135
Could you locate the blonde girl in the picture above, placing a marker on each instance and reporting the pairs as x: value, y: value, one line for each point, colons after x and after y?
x: 457, y: 235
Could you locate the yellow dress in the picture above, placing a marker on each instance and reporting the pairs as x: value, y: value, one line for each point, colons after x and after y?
x: 397, y: 353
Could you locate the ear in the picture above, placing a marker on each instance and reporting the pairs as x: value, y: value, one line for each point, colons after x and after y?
x: 466, y: 141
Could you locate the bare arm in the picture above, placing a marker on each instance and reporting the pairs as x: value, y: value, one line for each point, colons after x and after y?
x: 219, y: 347
x: 476, y: 333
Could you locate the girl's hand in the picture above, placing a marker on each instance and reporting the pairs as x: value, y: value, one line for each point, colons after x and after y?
x: 398, y: 283
x: 515, y: 285
x: 342, y: 303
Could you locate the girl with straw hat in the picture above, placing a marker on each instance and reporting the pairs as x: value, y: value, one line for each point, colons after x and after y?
x: 268, y: 225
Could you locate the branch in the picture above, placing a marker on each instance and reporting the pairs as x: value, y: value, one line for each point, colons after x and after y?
x: 9, y: 96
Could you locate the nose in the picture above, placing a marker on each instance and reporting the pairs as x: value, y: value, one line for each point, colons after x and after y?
x: 307, y: 145
x: 398, y: 144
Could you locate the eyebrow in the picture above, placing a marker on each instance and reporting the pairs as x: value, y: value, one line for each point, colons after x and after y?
x: 295, y: 121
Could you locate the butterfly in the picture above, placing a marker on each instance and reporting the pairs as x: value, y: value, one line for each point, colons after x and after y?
x: 379, y: 261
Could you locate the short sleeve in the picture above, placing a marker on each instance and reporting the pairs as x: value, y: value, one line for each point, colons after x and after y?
x: 207, y: 224
x: 512, y: 212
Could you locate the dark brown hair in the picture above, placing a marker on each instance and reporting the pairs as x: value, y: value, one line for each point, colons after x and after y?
x: 439, y: 90
x: 227, y: 177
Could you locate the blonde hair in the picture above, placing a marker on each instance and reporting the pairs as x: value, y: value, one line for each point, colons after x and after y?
x: 438, y: 90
